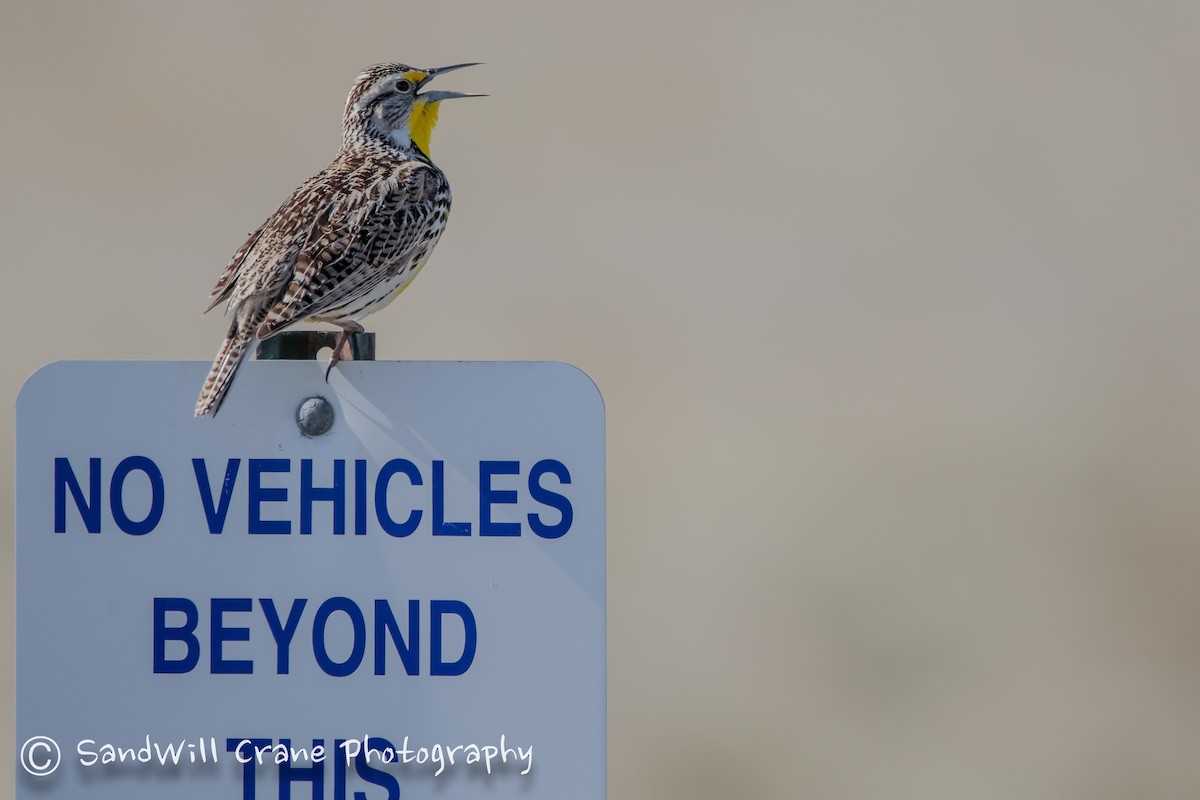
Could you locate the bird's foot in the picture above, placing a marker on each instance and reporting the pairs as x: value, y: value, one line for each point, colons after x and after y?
x: 341, y: 350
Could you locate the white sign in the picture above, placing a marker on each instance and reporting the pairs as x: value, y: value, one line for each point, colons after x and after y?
x: 412, y: 604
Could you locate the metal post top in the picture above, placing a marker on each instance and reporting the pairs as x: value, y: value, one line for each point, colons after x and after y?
x: 304, y: 345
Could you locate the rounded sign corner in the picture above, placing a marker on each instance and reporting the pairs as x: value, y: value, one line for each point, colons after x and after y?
x: 578, y: 374
x: 36, y: 378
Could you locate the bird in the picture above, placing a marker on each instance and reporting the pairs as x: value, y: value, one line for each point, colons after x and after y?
x: 352, y: 237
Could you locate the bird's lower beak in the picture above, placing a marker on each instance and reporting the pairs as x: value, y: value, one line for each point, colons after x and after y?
x: 437, y: 97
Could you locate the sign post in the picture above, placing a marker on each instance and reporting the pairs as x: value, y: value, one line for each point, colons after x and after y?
x: 408, y: 601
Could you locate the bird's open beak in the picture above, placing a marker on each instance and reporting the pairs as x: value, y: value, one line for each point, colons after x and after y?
x: 437, y: 97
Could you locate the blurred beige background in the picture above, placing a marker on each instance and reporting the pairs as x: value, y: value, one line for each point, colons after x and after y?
x: 892, y: 305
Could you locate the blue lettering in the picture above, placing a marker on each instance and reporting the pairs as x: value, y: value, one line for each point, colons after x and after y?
x: 360, y: 497
x: 313, y: 774
x: 385, y: 623
x: 388, y: 635
x: 549, y: 498
x: 185, y: 633
x: 488, y: 496
x: 260, y: 494
x: 440, y: 526
x: 283, y: 633
x: 116, y: 497
x: 245, y: 750
x: 215, y: 513
x: 374, y: 775
x: 390, y: 526
x: 89, y: 508
x: 220, y: 634
x: 437, y: 664
x: 326, y: 609
x: 335, y: 494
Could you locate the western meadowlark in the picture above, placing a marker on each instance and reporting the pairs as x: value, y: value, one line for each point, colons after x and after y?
x: 351, y: 237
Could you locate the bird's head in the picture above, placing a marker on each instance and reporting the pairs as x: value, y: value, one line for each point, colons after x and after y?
x: 386, y: 103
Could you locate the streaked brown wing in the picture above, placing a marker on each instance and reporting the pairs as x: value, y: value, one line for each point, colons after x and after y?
x: 358, y: 246
x: 225, y: 283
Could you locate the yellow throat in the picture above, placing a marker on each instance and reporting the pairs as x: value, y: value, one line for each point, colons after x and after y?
x: 424, y: 116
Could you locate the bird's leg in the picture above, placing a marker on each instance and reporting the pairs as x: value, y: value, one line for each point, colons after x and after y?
x: 341, y: 350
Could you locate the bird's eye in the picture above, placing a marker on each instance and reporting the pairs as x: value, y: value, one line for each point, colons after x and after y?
x: 403, y: 85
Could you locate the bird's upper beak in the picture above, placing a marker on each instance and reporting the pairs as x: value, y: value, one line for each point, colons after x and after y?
x: 437, y: 97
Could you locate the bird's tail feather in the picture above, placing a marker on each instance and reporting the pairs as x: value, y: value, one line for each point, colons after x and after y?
x: 229, y: 358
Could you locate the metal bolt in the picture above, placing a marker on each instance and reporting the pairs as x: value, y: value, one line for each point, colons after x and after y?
x: 315, y: 417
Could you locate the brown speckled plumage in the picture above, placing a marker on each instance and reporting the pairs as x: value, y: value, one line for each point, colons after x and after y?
x: 349, y: 239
